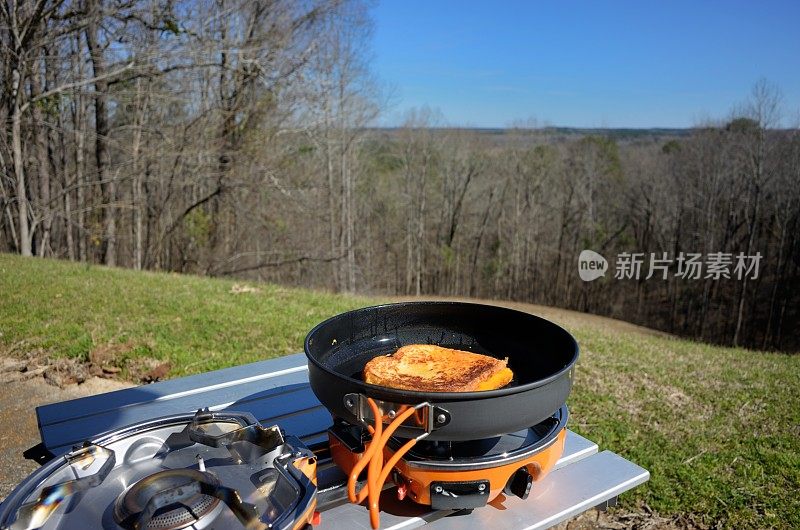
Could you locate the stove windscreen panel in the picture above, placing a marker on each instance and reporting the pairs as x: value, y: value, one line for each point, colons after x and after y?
x: 277, y: 388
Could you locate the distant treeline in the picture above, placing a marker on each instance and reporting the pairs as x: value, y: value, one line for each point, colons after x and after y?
x: 717, y: 210
x: 231, y: 138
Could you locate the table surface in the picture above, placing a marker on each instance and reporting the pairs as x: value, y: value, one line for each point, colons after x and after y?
x: 277, y: 392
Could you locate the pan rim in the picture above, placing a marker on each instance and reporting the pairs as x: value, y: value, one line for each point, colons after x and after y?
x: 446, y: 396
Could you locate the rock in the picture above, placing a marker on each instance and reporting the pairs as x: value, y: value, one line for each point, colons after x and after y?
x: 10, y: 377
x: 157, y: 373
x: 53, y: 377
x: 63, y: 372
x: 13, y: 365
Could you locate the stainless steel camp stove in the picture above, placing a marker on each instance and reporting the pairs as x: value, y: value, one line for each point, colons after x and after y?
x: 224, y: 470
x: 205, y: 470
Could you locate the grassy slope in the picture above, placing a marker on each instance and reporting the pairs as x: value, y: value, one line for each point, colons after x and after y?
x: 718, y: 428
x: 197, y: 324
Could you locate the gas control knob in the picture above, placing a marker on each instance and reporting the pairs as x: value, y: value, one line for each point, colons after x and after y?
x: 519, y: 484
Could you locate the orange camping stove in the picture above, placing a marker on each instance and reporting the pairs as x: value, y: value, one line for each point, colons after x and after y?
x: 446, y: 475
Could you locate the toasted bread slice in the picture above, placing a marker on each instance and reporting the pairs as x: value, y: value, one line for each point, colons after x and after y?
x: 429, y: 368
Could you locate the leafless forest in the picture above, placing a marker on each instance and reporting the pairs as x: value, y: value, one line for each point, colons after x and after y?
x: 236, y: 138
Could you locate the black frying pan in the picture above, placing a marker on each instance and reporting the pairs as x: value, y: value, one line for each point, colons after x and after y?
x: 541, y: 355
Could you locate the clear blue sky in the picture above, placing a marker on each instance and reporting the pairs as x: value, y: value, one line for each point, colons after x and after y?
x: 585, y: 64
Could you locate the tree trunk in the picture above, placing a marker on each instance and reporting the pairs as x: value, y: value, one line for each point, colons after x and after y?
x: 66, y: 186
x: 101, y: 151
x: 43, y: 165
x: 779, y: 280
x: 752, y: 226
x: 80, y: 182
x: 136, y: 181
x: 478, y: 241
x: 7, y: 206
x: 421, y: 232
x: 19, y: 170
x: 331, y: 194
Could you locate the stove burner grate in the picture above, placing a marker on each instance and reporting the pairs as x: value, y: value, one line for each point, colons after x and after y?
x: 184, y: 512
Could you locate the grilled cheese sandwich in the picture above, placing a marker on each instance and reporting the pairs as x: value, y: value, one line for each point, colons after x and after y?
x: 429, y: 368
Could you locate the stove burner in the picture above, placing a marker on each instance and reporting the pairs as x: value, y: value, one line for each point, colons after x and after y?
x: 487, y: 452
x: 188, y: 507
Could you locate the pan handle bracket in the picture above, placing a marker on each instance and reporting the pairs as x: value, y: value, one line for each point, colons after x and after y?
x: 429, y: 417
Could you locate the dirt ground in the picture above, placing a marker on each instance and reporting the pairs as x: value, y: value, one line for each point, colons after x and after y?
x: 19, y: 397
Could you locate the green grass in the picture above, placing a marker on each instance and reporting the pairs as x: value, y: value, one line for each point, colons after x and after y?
x: 718, y: 428
x: 195, y: 323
